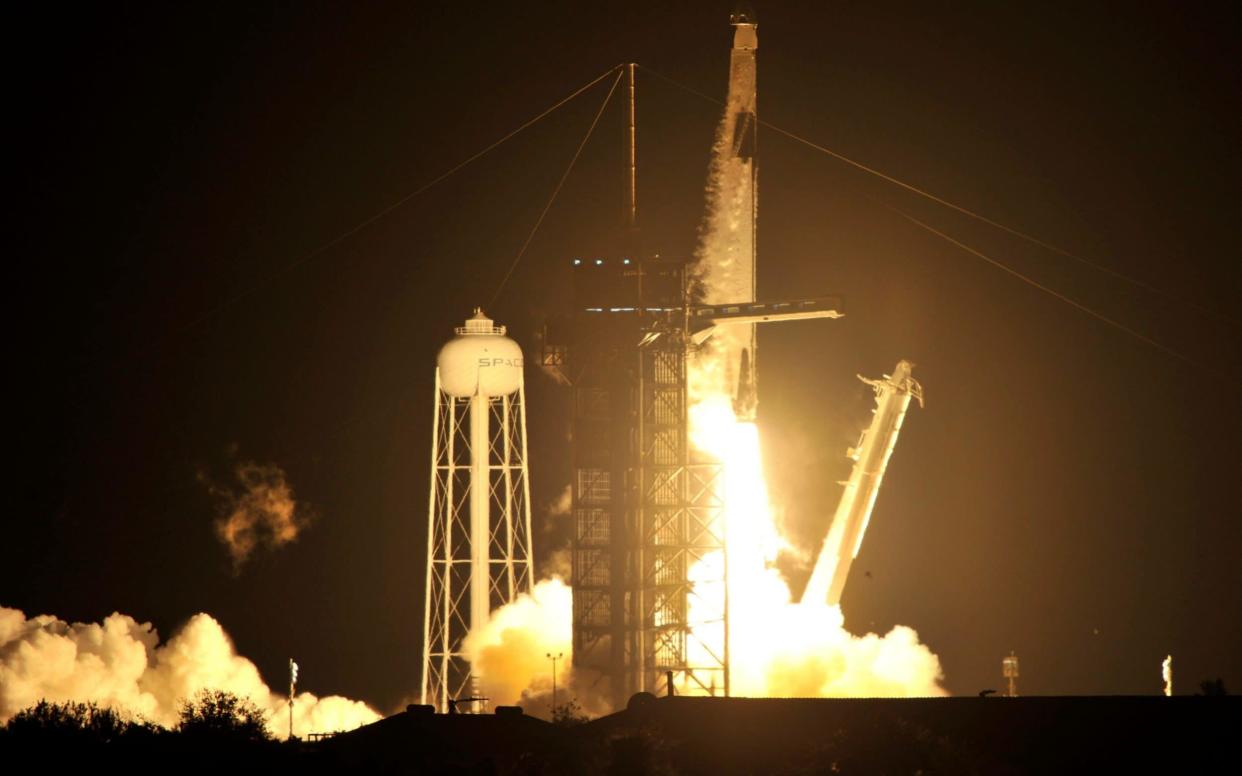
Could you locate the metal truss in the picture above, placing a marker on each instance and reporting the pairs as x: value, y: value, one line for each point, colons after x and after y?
x: 452, y: 571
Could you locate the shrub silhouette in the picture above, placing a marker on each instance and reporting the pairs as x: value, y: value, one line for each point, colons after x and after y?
x: 222, y: 717
x: 569, y: 714
x: 73, y: 723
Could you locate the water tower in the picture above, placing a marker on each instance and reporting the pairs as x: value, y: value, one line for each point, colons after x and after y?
x: 478, y: 531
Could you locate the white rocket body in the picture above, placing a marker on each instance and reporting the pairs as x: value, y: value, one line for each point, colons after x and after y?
x: 726, y: 267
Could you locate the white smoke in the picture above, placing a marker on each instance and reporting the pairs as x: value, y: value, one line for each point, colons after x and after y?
x: 557, y: 525
x: 120, y: 663
x: 560, y: 506
x: 259, y: 511
x: 814, y: 656
x: 509, y: 656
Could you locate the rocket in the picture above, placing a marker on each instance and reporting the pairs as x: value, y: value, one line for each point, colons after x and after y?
x: 726, y: 252
x: 728, y: 246
x: 849, y: 524
x: 740, y: 164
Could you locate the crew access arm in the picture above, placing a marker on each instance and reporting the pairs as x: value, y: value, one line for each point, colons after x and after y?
x: 849, y: 524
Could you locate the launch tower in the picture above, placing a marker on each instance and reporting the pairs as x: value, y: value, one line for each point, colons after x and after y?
x: 650, y: 604
x: 645, y: 510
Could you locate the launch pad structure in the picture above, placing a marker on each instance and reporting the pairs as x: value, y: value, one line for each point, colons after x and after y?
x: 650, y: 575
x: 645, y: 509
x: 647, y: 506
x: 649, y: 567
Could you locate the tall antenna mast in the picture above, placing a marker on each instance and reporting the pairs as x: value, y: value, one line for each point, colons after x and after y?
x: 631, y: 219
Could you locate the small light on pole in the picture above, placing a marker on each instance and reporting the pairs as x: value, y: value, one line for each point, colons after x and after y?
x: 293, y: 680
x: 554, y: 658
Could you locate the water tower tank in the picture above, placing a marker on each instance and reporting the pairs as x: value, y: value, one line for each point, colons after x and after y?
x: 480, y: 359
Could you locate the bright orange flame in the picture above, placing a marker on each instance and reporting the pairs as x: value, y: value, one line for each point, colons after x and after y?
x: 777, y: 647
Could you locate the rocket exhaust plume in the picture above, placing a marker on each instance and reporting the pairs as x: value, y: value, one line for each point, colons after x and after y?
x: 814, y: 655
x: 121, y: 663
x: 1166, y: 673
x: 259, y: 511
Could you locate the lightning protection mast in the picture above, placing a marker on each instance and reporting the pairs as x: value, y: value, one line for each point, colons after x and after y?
x: 478, y: 531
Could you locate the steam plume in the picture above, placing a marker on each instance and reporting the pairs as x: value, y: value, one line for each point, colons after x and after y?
x: 260, y: 511
x: 509, y: 655
x: 121, y: 663
x: 560, y: 506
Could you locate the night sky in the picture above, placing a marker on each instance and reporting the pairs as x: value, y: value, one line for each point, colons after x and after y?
x: 1069, y: 491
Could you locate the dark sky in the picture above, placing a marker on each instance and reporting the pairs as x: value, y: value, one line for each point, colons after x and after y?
x: 1069, y: 492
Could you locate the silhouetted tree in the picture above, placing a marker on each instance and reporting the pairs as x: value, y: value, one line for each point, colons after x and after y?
x: 569, y: 714
x: 223, y: 717
x: 76, y: 723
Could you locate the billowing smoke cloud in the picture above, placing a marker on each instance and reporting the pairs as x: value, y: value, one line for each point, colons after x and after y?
x: 560, y: 506
x: 816, y: 657
x: 784, y: 649
x: 509, y: 655
x: 258, y: 512
x: 121, y: 663
x: 558, y: 532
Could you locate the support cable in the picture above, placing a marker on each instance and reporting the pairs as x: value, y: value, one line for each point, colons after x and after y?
x: 228, y: 302
x: 1056, y: 294
x: 363, y: 224
x: 958, y: 208
x: 564, y: 176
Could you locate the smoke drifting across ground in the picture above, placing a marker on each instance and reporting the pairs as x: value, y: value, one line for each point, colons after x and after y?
x: 121, y: 663
x: 259, y: 511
